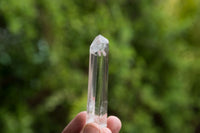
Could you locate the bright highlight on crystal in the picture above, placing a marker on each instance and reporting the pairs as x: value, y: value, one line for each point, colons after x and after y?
x: 98, y: 81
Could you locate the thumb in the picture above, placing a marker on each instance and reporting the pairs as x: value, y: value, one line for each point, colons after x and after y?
x: 91, y: 128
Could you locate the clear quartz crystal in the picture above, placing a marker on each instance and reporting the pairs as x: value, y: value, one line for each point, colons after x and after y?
x: 98, y: 82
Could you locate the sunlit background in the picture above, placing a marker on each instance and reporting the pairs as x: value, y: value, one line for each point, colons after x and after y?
x: 154, y: 63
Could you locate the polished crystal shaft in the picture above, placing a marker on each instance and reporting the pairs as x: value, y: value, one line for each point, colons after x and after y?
x: 98, y: 82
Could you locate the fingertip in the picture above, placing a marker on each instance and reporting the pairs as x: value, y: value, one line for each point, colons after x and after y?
x: 91, y: 128
x: 81, y: 116
x: 114, y: 124
x: 76, y: 124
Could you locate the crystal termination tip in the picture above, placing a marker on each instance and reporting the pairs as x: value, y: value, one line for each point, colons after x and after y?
x: 99, y: 44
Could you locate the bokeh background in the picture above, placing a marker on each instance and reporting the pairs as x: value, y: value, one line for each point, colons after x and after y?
x: 154, y: 63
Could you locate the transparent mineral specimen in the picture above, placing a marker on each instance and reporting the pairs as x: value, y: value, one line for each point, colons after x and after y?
x: 98, y: 81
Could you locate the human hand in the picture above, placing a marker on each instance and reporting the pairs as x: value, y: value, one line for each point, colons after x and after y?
x: 78, y: 125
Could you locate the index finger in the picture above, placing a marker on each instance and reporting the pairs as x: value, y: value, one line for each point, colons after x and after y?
x: 114, y: 124
x: 76, y: 125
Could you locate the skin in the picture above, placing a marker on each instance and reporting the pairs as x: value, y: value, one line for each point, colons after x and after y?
x: 78, y: 125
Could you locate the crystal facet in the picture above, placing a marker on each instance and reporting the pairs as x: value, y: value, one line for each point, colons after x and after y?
x: 98, y: 81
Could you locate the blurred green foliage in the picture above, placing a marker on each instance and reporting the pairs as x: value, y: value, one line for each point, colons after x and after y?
x: 154, y: 68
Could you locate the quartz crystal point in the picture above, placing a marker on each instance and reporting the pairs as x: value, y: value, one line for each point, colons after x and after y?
x: 98, y: 82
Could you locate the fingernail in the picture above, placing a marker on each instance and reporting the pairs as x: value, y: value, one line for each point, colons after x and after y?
x: 106, y: 130
x: 91, y: 128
